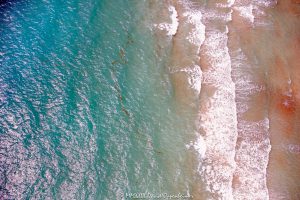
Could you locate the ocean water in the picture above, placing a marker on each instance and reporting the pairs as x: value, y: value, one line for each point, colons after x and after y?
x: 87, y: 110
x: 149, y: 99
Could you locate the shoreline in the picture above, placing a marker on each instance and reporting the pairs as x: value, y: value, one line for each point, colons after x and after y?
x: 239, y: 158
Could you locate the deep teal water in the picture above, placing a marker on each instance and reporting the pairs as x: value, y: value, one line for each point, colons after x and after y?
x: 86, y: 106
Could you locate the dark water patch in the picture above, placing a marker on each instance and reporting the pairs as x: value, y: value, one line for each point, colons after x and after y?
x: 6, y: 5
x: 121, y: 61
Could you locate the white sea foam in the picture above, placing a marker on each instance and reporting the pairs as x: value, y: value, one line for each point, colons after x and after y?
x: 175, y: 23
x: 217, y: 123
x: 255, y: 9
x: 217, y: 117
x: 197, y: 33
x: 226, y: 4
x: 189, y: 43
x: 199, y: 145
x: 219, y: 126
x: 252, y: 156
x: 215, y: 144
x: 293, y: 148
x: 194, y: 77
x: 232, y: 151
x: 195, y: 37
x: 170, y: 28
x: 246, y: 12
x: 225, y: 92
x: 265, y: 3
x: 253, y: 146
x: 211, y: 15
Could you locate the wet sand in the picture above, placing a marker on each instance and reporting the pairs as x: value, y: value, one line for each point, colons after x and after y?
x: 283, y: 82
x: 273, y: 51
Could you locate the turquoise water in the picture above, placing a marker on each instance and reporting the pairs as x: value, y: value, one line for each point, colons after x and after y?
x: 87, y: 108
